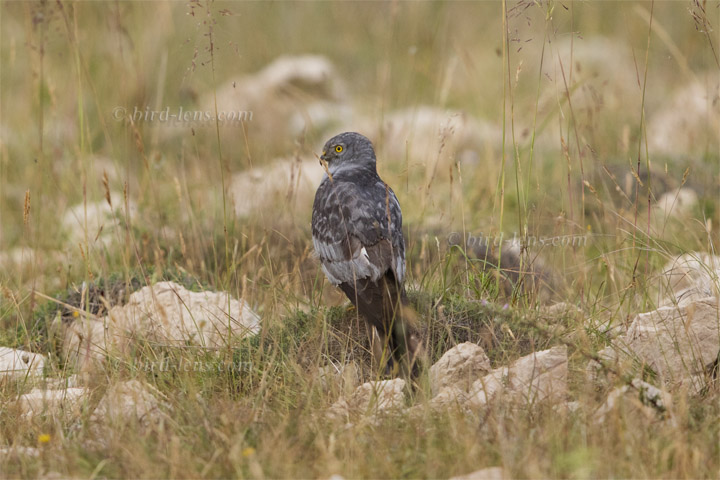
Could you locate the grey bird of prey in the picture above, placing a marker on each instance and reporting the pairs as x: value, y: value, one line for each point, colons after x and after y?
x: 357, y: 234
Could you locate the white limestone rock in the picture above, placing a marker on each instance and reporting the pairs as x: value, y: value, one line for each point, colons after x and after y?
x: 460, y: 367
x: 165, y: 313
x: 19, y: 363
x: 688, y: 278
x: 370, y: 400
x: 128, y: 402
x: 288, y: 182
x: 98, y: 220
x: 490, y: 473
x: 538, y: 377
x: 63, y: 403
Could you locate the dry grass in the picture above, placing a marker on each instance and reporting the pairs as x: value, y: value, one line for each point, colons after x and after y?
x: 573, y: 89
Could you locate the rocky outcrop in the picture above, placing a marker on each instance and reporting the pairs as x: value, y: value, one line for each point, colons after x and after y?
x: 165, y: 313
x: 130, y: 401
x: 677, y: 203
x: 370, y: 400
x: 459, y: 367
x: 289, y: 96
x: 678, y: 344
x: 688, y: 278
x: 98, y: 221
x: 18, y: 363
x: 638, y: 398
x: 126, y: 404
x: 434, y: 137
x: 538, y: 377
x: 490, y: 473
x: 462, y: 379
x: 64, y: 402
x: 689, y: 120
x: 286, y: 182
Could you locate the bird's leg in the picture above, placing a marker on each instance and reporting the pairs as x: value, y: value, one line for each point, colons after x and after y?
x: 404, y: 348
x: 382, y: 354
x: 404, y: 341
x: 375, y: 346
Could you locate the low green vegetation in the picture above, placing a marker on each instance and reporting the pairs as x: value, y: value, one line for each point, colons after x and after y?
x: 584, y: 113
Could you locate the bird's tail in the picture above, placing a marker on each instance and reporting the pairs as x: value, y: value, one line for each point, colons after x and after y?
x: 384, y: 305
x: 399, y: 330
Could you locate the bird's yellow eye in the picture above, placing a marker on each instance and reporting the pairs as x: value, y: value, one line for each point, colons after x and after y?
x: 338, y: 148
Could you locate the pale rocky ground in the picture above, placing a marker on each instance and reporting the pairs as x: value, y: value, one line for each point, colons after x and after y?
x: 103, y: 220
x: 641, y: 397
x: 490, y: 473
x: 62, y: 402
x: 288, y: 96
x: 680, y: 343
x: 128, y: 404
x: 678, y: 202
x: 689, y: 277
x: 679, y: 340
x: 301, y: 93
x: 690, y: 120
x: 18, y: 363
x: 304, y: 93
x: 286, y: 182
x: 166, y: 314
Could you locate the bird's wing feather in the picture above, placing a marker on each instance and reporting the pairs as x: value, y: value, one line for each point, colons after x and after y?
x: 353, y: 234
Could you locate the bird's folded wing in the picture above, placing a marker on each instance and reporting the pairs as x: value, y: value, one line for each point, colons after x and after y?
x: 347, y: 265
x: 353, y: 235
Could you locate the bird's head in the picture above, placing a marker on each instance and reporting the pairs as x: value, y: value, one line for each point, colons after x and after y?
x: 347, y: 151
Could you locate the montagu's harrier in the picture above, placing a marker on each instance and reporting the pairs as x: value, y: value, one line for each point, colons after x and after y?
x: 357, y: 233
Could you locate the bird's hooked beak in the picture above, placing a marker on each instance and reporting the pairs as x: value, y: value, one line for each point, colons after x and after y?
x: 325, y: 165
